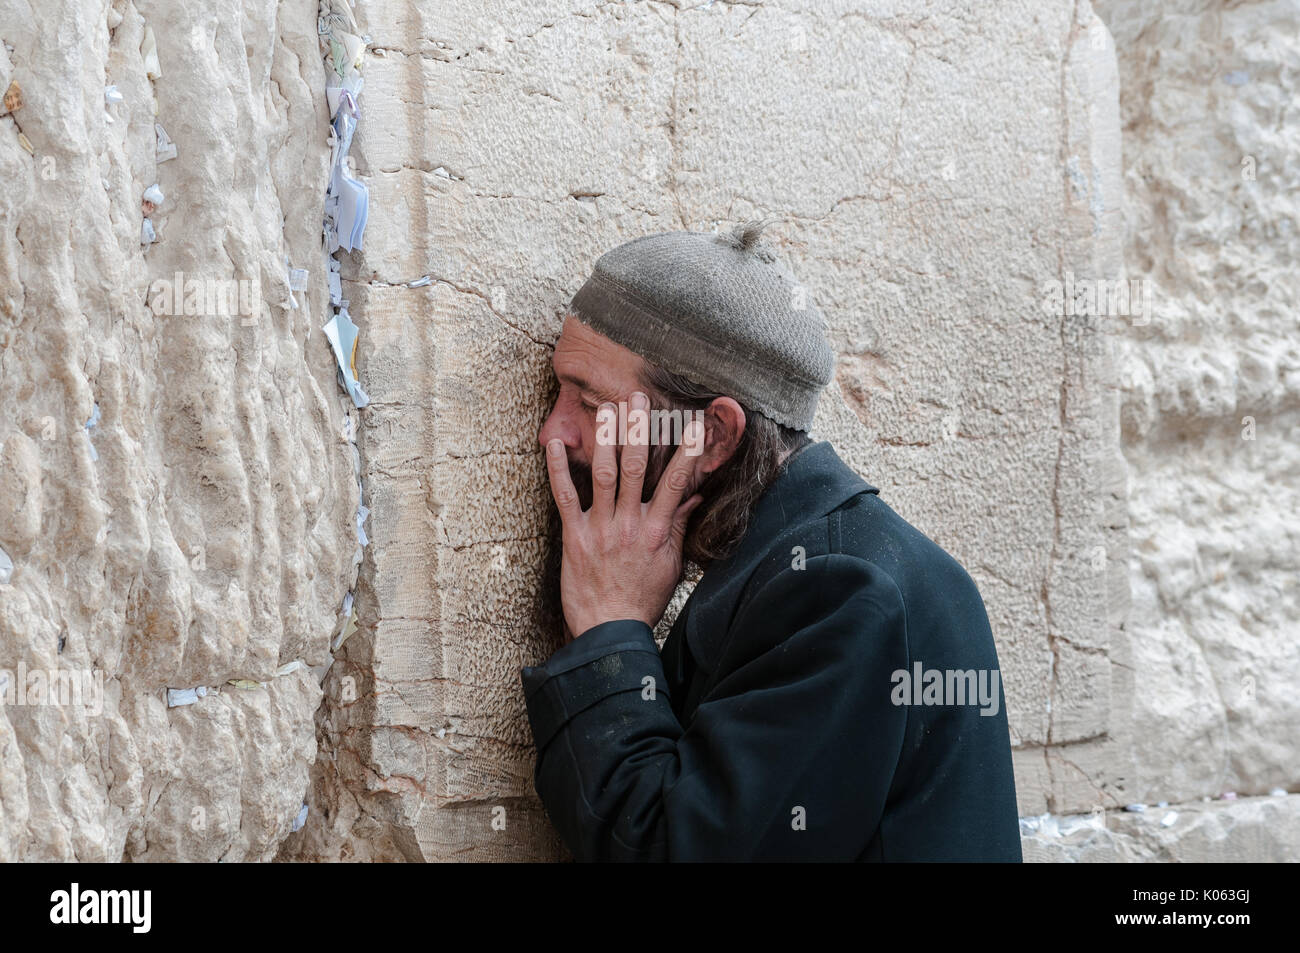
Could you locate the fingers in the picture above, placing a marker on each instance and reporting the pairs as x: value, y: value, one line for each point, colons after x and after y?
x: 557, y: 468
x: 681, y: 518
x: 604, y: 463
x: 632, y: 465
x: 673, y: 484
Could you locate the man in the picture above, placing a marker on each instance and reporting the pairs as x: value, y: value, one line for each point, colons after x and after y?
x: 795, y: 712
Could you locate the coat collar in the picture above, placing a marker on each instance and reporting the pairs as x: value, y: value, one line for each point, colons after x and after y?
x: 814, y: 482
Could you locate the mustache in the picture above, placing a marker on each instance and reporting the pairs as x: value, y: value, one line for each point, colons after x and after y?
x: 580, y: 473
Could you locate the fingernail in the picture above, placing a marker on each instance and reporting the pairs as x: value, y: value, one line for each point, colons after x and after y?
x: 640, y: 401
x: 555, y: 446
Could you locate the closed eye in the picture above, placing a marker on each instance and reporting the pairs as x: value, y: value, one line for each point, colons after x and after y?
x: 592, y: 401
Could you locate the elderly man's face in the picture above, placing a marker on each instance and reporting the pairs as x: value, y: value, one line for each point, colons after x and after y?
x: 592, y: 369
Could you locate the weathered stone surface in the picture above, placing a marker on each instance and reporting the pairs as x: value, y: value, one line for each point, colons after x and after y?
x: 1212, y: 199
x: 212, y: 538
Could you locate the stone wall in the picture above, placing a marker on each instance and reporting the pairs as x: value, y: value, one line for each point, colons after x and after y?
x: 932, y: 171
x: 1209, y: 387
x: 201, y: 532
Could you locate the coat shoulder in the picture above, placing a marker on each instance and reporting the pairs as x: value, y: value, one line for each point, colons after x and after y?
x: 939, y: 599
x: 814, y: 543
x: 863, y: 528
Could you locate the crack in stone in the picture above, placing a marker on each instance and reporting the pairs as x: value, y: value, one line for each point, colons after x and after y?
x: 504, y: 320
x: 1063, y: 404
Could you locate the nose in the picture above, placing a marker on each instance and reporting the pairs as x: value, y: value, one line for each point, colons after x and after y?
x: 560, y: 424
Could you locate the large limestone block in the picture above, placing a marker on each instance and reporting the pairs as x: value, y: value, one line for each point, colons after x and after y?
x: 932, y: 168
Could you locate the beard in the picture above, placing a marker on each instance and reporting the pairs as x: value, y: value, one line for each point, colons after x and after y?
x: 660, y: 456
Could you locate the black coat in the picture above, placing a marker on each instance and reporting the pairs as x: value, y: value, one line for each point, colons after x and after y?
x: 774, y: 724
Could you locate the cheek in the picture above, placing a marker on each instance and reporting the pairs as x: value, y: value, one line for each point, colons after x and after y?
x: 586, y: 423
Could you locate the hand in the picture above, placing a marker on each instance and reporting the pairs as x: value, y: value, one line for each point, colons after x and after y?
x: 622, y: 558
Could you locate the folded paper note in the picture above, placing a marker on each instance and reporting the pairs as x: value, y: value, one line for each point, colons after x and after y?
x: 363, y: 513
x: 91, y: 424
x: 335, y: 281
x: 166, y: 149
x: 149, y: 53
x: 342, y: 334
x: 185, y: 696
x: 13, y: 100
x: 111, y: 98
x: 353, y: 209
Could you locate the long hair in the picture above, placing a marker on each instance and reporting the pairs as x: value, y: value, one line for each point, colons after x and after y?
x: 731, y: 491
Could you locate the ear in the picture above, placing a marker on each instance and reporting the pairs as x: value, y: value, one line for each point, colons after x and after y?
x: 724, y: 422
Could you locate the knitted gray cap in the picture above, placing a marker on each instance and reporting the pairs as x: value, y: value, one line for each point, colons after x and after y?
x: 718, y: 309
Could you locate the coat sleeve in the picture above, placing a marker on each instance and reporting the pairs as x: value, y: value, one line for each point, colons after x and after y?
x: 789, y: 757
